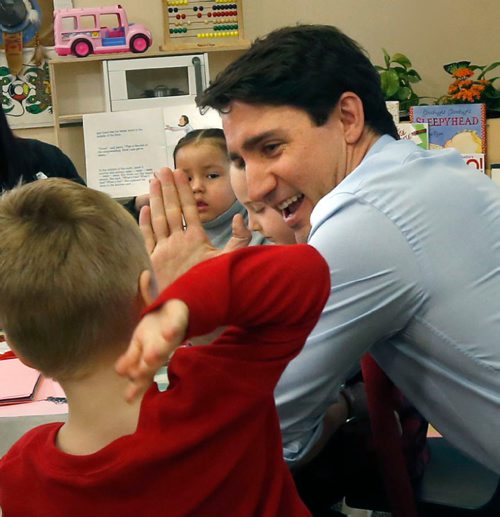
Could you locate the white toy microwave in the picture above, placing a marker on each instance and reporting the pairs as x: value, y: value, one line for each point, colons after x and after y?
x: 154, y: 81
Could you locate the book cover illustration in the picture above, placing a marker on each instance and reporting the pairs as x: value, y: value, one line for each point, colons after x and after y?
x: 475, y: 160
x: 393, y: 109
x: 460, y: 126
x: 416, y: 132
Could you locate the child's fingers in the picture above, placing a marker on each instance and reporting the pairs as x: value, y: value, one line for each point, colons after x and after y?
x: 241, y: 236
x: 173, y: 209
x: 154, y: 340
x: 130, y: 359
x: 147, y: 229
x: 133, y: 391
x: 187, y: 201
x: 158, y: 219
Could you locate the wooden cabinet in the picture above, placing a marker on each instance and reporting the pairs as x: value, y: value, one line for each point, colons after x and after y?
x: 78, y: 88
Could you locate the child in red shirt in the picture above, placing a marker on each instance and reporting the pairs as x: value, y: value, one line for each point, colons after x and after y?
x: 75, y: 278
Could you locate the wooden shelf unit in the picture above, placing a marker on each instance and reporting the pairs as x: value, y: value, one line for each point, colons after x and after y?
x: 78, y: 88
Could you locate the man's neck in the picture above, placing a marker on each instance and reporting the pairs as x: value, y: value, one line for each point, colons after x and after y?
x: 98, y: 412
x: 356, y: 153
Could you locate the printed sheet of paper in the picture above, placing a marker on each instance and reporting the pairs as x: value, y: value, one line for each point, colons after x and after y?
x: 123, y: 149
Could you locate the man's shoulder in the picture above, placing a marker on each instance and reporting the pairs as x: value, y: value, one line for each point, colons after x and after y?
x: 32, y: 145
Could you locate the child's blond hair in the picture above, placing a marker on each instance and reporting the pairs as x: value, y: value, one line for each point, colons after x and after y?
x: 70, y: 261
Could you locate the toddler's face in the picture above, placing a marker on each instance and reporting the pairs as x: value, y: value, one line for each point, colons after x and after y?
x: 261, y: 218
x: 207, y: 168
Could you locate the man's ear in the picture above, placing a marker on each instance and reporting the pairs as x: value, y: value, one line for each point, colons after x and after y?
x: 352, y: 116
x: 147, y: 287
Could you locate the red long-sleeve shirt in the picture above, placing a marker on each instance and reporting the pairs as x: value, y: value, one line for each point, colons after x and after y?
x: 210, y: 445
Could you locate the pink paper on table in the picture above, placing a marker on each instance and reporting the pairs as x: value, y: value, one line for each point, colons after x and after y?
x: 17, y: 381
x: 39, y: 405
x: 11, y: 376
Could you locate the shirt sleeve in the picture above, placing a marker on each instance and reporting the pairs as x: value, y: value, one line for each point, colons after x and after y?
x: 374, y: 292
x: 276, y: 290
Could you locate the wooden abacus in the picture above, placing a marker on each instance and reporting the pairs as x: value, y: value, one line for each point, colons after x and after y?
x: 203, y: 24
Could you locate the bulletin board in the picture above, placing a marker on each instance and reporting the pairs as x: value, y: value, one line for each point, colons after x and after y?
x: 195, y: 24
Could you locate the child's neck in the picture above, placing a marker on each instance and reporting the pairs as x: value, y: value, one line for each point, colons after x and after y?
x: 98, y: 412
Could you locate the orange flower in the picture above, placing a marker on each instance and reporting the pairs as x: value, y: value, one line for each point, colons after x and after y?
x: 463, y: 72
x: 464, y: 83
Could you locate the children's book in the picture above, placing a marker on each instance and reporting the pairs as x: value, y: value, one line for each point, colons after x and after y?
x: 416, y: 132
x: 475, y: 160
x: 393, y: 109
x: 460, y: 126
x: 18, y: 382
x: 124, y: 148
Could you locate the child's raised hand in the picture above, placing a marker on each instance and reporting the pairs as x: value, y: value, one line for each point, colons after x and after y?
x: 154, y: 340
x: 172, y: 229
x: 241, y: 236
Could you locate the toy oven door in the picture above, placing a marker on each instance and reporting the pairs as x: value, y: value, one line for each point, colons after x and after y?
x: 151, y: 82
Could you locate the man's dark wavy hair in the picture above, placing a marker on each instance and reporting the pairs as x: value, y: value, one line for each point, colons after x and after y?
x: 307, y: 67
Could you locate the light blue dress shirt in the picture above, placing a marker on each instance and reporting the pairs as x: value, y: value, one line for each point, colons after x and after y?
x: 413, y: 242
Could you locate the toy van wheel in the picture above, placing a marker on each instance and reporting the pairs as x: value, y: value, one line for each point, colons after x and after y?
x: 139, y: 43
x: 81, y: 48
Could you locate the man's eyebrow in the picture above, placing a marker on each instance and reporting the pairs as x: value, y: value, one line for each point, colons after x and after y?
x: 251, y: 143
x: 254, y: 141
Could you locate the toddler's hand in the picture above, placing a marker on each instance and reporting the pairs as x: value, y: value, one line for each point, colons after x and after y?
x: 153, y: 342
x: 140, y: 201
x: 241, y: 236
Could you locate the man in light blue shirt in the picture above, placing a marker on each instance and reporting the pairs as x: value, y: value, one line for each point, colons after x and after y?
x: 412, y: 237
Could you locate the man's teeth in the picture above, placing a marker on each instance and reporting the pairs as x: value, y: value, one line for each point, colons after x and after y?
x: 288, y: 202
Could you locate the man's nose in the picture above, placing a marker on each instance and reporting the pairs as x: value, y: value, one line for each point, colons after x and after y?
x: 260, y: 183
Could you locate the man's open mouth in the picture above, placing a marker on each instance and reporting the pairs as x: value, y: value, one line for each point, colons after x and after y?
x: 290, y: 206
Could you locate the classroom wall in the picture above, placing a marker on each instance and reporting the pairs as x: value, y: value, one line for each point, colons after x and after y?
x: 430, y: 32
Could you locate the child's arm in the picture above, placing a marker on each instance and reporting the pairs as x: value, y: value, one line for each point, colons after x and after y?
x: 262, y: 290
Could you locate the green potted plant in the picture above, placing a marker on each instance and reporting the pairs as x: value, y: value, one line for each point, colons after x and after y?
x: 397, y: 79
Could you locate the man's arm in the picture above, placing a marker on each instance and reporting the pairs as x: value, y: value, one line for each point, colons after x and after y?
x: 375, y: 291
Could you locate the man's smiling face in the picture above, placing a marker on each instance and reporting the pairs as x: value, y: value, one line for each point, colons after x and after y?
x: 290, y: 162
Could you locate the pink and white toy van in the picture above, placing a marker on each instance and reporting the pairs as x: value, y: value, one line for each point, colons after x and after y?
x: 98, y: 30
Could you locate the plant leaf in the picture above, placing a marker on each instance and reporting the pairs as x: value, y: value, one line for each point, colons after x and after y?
x: 413, y: 76
x: 488, y: 69
x: 387, y: 58
x: 404, y: 93
x: 492, y: 94
x: 452, y: 67
x: 390, y: 83
x: 402, y: 60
